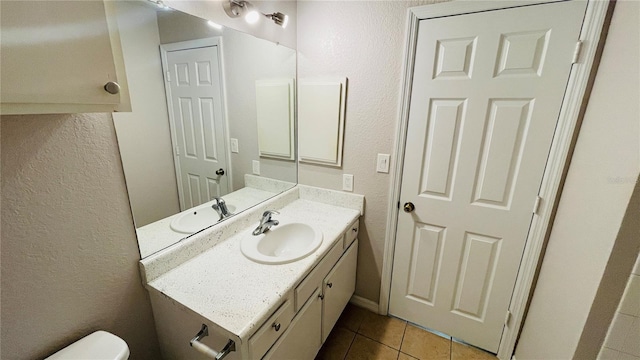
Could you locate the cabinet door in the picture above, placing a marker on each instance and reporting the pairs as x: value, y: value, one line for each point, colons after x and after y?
x: 57, y: 52
x: 338, y: 287
x: 302, y: 338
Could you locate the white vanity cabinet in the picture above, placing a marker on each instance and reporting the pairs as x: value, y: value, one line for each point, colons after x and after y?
x: 316, y: 318
x: 58, y: 56
x: 338, y: 288
x: 303, y: 338
x: 295, y: 329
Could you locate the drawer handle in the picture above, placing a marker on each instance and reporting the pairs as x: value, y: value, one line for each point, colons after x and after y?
x: 330, y: 285
x: 276, y: 326
x: 209, y: 352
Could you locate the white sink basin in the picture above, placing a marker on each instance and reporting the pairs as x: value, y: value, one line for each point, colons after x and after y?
x: 197, y: 219
x: 282, y: 244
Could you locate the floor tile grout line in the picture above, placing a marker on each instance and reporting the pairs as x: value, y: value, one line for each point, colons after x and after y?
x: 381, y: 343
x: 404, y: 331
x: 350, y: 344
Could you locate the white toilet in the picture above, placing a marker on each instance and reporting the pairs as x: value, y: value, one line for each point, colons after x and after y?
x: 99, y: 345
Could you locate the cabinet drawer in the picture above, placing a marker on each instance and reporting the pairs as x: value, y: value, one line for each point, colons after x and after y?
x: 271, y: 330
x: 314, y: 279
x: 352, y: 233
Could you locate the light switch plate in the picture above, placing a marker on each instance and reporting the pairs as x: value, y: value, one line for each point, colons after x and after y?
x: 234, y: 145
x: 347, y: 182
x: 256, y: 167
x: 383, y: 163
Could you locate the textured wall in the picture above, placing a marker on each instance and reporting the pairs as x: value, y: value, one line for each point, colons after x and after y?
x: 364, y: 41
x: 69, y: 253
x: 603, y: 172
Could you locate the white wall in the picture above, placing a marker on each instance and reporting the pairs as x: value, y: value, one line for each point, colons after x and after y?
x: 601, y: 178
x: 143, y: 134
x: 69, y: 252
x: 364, y: 41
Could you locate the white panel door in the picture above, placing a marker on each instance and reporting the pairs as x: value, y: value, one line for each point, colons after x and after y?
x: 195, y: 94
x: 487, y: 92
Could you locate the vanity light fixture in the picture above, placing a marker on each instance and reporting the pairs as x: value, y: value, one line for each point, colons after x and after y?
x: 237, y: 8
x: 159, y: 4
x: 279, y: 18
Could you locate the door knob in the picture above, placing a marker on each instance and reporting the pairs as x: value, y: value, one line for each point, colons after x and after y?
x: 409, y: 207
x: 220, y: 172
x: 112, y: 87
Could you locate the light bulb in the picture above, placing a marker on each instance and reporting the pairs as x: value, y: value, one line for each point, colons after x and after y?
x: 252, y: 16
x: 285, y: 22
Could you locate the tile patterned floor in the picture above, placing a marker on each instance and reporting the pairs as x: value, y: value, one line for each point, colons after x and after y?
x: 363, y: 335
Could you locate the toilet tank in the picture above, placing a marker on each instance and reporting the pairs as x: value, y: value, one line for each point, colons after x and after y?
x: 99, y: 345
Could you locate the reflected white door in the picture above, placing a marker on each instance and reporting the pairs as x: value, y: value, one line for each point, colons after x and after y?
x: 195, y: 95
x: 487, y: 92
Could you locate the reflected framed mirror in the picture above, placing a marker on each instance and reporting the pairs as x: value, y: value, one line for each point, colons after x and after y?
x: 212, y: 127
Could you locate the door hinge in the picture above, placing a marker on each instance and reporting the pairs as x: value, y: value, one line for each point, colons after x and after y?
x: 507, y: 318
x: 576, y: 52
x: 177, y: 150
x: 398, y: 204
x: 536, y: 205
x: 168, y: 76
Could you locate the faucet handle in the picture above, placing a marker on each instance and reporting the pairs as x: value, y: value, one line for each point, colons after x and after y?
x: 268, y: 213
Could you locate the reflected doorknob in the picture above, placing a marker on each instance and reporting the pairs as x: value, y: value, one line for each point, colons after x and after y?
x: 409, y: 207
x: 220, y: 172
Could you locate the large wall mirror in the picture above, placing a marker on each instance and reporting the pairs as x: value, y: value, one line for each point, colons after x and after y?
x: 211, y: 132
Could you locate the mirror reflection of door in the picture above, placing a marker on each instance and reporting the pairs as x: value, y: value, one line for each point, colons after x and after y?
x: 194, y: 94
x: 149, y: 134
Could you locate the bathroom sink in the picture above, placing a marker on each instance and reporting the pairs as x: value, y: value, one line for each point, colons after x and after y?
x: 197, y: 219
x: 284, y: 243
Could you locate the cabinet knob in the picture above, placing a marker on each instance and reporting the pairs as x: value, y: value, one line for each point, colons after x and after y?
x: 276, y: 326
x: 330, y: 285
x: 112, y: 87
x: 321, y: 297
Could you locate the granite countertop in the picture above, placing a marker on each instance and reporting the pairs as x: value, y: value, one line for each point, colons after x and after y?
x: 237, y: 294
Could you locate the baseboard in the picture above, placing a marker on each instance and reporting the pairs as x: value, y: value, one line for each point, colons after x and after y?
x: 364, y: 303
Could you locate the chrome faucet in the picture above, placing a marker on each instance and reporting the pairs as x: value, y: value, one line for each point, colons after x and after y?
x: 221, y: 208
x: 266, y: 222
